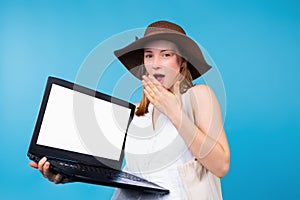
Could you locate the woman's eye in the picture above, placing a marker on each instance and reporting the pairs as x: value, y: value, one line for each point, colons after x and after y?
x: 167, y: 54
x: 148, y: 56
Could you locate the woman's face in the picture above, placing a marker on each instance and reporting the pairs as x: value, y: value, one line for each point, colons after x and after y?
x: 162, y: 62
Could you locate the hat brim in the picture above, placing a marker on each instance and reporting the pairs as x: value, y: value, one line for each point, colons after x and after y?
x: 132, y: 55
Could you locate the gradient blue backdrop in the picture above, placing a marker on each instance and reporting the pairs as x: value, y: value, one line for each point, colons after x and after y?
x: 254, y: 43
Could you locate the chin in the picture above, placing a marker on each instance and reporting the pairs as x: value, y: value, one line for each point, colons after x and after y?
x: 166, y: 86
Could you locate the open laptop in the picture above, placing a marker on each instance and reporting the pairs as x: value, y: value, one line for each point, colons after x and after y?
x: 83, y: 132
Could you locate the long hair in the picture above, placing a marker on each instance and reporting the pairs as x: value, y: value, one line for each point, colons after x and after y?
x: 185, y: 79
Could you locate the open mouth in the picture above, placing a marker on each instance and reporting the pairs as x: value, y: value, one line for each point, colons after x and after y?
x: 159, y: 77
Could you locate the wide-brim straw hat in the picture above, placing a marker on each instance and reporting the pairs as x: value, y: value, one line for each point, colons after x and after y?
x: 132, y: 55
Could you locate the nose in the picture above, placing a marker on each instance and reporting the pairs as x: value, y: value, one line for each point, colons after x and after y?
x: 156, y: 63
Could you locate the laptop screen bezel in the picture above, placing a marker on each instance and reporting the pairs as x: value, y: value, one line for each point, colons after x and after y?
x: 41, y: 150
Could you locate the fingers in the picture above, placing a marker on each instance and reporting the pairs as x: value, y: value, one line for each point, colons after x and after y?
x: 149, y: 96
x: 152, y: 82
x: 46, y: 172
x: 150, y: 91
x: 41, y: 164
x: 152, y: 86
x: 57, y: 178
x: 44, y: 167
x: 33, y: 164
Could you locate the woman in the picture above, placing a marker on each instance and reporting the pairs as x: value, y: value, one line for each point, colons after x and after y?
x: 186, y: 122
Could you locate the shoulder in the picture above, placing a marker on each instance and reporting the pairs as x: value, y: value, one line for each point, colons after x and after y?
x: 202, y: 92
x: 202, y: 97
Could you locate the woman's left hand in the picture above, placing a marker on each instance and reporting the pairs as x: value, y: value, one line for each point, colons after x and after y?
x: 165, y: 101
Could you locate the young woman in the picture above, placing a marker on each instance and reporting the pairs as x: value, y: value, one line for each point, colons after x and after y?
x: 176, y: 122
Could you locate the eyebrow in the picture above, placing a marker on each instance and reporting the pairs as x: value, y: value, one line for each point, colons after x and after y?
x: 149, y: 51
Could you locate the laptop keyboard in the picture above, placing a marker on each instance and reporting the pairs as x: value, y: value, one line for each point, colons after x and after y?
x: 109, y: 173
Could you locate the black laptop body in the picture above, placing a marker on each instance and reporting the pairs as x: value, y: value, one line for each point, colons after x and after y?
x: 82, y: 132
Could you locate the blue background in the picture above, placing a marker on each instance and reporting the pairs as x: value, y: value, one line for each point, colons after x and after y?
x: 255, y: 44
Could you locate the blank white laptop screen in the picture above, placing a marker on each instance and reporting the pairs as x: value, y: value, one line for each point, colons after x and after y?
x: 84, y: 124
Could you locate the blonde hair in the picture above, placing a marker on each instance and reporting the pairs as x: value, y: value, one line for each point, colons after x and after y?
x: 185, y: 79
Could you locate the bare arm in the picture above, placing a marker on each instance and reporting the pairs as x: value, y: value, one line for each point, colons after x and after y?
x: 206, y: 137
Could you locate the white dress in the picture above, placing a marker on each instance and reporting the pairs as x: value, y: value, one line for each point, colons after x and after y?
x: 155, y: 153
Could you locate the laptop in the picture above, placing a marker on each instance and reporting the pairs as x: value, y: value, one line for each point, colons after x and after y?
x: 82, y: 132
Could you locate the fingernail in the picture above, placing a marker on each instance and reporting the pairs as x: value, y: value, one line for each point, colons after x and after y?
x: 43, y: 159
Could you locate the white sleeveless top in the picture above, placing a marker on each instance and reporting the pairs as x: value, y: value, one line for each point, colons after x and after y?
x: 155, y: 153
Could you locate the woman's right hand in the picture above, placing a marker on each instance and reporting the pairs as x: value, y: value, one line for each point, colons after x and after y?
x: 44, y: 166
